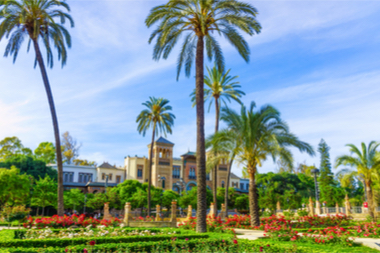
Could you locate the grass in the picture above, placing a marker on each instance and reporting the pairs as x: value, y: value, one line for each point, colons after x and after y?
x: 323, y: 248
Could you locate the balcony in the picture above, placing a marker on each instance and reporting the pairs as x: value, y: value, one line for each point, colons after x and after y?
x: 192, y: 177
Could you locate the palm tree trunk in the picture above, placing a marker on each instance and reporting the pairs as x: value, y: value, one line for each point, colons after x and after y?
x: 253, y: 199
x: 215, y: 176
x: 60, y: 209
x: 201, y: 159
x: 370, y: 199
x: 228, y: 183
x: 150, y: 168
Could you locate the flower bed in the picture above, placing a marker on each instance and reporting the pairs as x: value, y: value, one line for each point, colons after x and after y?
x: 214, y: 224
x: 67, y: 221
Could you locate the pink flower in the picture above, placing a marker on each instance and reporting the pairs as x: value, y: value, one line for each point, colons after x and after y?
x: 186, y: 239
x: 65, y: 250
x: 85, y: 251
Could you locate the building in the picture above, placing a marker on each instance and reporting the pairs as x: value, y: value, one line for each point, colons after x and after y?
x: 90, y: 178
x: 167, y: 171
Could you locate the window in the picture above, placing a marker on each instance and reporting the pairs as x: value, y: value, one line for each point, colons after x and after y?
x: 247, y: 186
x: 242, y: 186
x: 68, y: 177
x: 163, y: 184
x: 192, y: 173
x: 118, y: 179
x: 103, y: 176
x: 110, y: 177
x: 176, y: 171
x: 140, y: 171
x: 85, y: 177
x: 222, y: 184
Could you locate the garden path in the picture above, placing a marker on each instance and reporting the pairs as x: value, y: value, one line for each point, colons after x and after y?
x: 373, y: 243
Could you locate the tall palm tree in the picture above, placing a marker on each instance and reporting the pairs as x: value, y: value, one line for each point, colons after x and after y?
x: 367, y: 164
x: 36, y: 20
x: 220, y: 87
x: 261, y: 133
x: 197, y: 21
x: 158, y: 117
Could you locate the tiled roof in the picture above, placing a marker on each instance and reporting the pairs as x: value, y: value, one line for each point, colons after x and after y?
x: 163, y: 140
x: 190, y: 153
x: 106, y: 165
x: 234, y: 176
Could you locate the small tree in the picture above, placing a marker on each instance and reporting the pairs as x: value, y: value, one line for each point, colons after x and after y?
x: 44, y: 193
x: 74, y: 199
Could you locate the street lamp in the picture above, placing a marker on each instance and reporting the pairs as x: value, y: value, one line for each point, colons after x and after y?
x: 181, y: 185
x: 85, y: 200
x: 315, y: 172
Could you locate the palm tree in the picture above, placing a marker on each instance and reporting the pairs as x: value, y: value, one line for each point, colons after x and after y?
x: 224, y: 145
x: 197, y: 21
x: 158, y: 117
x: 367, y: 164
x: 35, y: 19
x: 219, y: 88
x: 261, y: 133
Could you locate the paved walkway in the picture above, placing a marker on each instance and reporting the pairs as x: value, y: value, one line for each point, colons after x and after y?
x: 256, y: 234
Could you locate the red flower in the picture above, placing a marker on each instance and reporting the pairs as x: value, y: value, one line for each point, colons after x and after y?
x: 186, y: 239
x: 235, y: 241
x: 92, y: 243
x: 261, y: 249
x: 268, y: 245
x: 85, y: 251
x: 65, y: 250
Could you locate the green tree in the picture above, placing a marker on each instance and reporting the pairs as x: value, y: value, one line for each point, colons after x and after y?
x: 326, y: 177
x: 84, y: 162
x: 70, y: 148
x: 190, y: 198
x: 96, y: 201
x: 367, y: 165
x: 30, y: 166
x: 167, y: 198
x: 74, y: 199
x: 15, y: 187
x: 11, y: 146
x: 261, y: 133
x: 45, y: 152
x: 197, y: 21
x: 242, y: 202
x: 35, y: 19
x: 158, y: 117
x: 44, y: 193
x: 220, y: 88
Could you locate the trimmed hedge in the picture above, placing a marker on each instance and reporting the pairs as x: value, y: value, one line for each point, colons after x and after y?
x: 165, y: 246
x: 41, y: 243
x: 20, y: 233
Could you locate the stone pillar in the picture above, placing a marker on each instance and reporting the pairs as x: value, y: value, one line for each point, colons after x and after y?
x: 127, y: 213
x: 317, y: 207
x: 189, y: 212
x: 107, y: 215
x: 311, y: 207
x: 174, y: 214
x: 223, y: 214
x: 336, y: 208
x: 347, y: 205
x: 158, y: 212
x: 212, y: 210
x: 278, y: 206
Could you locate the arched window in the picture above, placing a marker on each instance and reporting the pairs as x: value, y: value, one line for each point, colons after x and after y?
x: 163, y: 184
x: 222, y: 184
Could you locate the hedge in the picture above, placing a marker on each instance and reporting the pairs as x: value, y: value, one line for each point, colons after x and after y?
x: 20, y: 233
x: 242, y: 245
x: 40, y: 243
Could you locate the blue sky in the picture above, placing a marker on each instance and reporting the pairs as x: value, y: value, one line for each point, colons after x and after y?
x: 318, y: 62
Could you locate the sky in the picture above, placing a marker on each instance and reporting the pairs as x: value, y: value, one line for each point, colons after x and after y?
x: 317, y: 62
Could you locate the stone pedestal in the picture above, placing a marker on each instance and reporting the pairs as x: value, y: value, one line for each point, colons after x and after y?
x: 127, y: 213
x: 223, y: 213
x: 173, y: 219
x: 317, y: 207
x: 189, y: 211
x: 158, y: 212
x: 336, y: 208
x: 107, y: 215
x: 347, y: 205
x: 278, y: 206
x: 212, y: 210
x: 311, y: 207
